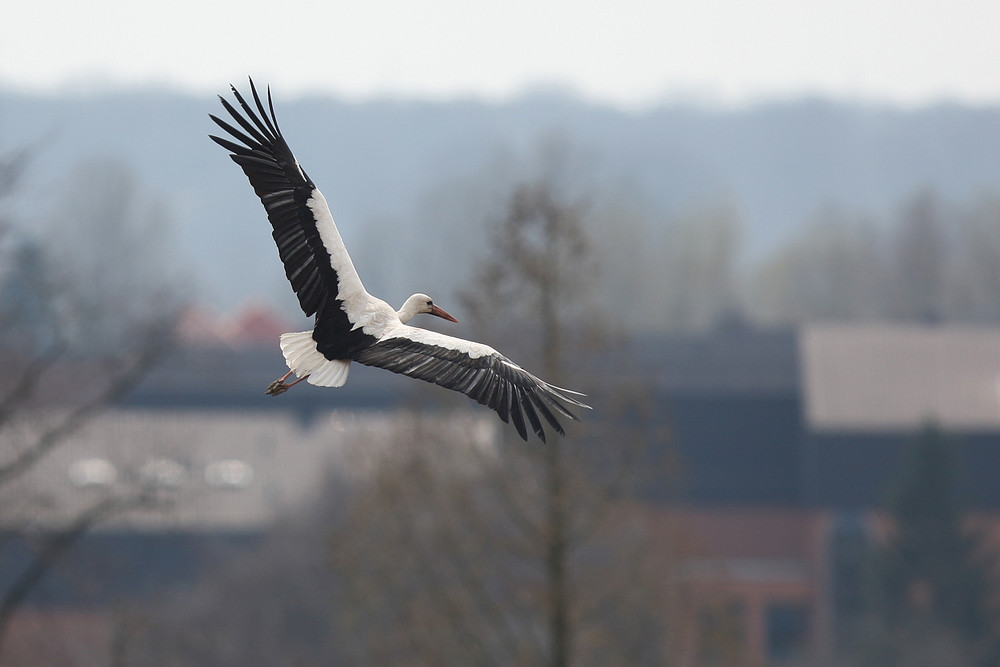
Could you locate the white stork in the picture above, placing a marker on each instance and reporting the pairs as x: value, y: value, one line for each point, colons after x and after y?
x: 352, y: 325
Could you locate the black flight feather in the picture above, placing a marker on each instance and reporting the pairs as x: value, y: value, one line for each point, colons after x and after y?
x: 491, y: 380
x: 285, y: 190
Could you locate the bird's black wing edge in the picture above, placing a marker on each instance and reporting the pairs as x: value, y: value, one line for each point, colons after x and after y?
x: 491, y: 380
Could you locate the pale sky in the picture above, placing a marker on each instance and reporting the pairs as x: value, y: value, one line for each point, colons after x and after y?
x: 629, y: 53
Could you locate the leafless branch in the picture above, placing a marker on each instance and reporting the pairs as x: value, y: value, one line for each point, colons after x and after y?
x: 79, y: 416
x: 26, y: 383
x: 58, y: 544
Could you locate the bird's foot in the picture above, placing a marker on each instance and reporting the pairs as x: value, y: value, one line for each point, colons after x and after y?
x: 279, y: 386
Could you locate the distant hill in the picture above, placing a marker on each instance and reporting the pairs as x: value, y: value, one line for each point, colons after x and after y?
x: 392, y: 168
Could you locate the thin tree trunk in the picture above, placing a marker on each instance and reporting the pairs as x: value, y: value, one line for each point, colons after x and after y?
x: 557, y: 552
x: 556, y: 561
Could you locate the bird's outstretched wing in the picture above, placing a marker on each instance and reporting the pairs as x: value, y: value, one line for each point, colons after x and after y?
x: 316, y: 261
x: 477, y: 371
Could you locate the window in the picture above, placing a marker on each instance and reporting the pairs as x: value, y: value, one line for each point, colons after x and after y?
x: 162, y: 473
x: 787, y: 630
x: 92, y: 472
x: 229, y: 473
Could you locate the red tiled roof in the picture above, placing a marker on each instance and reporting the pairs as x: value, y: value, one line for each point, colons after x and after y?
x: 253, y: 324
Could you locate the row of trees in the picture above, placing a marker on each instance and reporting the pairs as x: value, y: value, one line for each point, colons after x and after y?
x: 690, y: 269
x: 930, y: 262
x: 934, y: 262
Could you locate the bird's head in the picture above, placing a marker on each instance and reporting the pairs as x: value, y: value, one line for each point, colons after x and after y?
x: 421, y: 303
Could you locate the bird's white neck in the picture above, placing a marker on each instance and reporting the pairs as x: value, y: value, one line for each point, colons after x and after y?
x: 409, y: 310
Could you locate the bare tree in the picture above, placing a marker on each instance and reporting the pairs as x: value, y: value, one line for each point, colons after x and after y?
x: 834, y: 270
x: 82, y: 324
x: 696, y: 282
x: 936, y: 262
x: 540, y: 259
x: 974, y: 277
x: 921, y: 258
x: 446, y: 553
x: 461, y: 551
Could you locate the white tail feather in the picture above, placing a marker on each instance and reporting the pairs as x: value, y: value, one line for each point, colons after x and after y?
x: 302, y: 357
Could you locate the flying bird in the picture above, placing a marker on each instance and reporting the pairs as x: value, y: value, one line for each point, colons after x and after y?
x: 351, y: 324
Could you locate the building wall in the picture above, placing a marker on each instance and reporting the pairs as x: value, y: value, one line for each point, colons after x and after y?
x: 855, y: 470
x: 735, y: 448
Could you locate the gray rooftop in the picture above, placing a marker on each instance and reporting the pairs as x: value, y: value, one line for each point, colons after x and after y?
x: 897, y: 377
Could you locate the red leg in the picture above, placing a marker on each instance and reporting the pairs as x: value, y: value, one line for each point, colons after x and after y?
x: 296, y: 382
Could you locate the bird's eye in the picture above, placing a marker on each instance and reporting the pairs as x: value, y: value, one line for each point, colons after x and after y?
x: 430, y: 303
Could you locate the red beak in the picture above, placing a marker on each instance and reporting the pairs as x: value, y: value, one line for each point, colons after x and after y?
x: 442, y: 313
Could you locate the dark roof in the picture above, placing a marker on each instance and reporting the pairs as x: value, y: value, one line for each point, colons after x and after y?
x: 741, y: 360
x: 227, y: 378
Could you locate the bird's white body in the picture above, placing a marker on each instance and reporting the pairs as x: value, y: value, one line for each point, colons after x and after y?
x: 377, y: 318
x: 351, y: 324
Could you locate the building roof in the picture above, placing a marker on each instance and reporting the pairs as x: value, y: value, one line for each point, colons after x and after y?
x: 253, y: 324
x: 723, y: 361
x: 881, y: 378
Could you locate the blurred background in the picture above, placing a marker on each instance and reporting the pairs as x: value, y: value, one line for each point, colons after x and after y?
x: 764, y: 239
